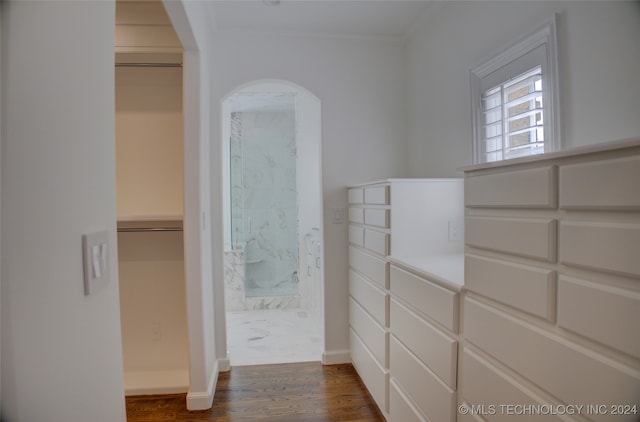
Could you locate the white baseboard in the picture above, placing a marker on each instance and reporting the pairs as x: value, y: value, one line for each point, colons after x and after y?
x: 334, y: 357
x: 203, y: 400
x: 156, y: 382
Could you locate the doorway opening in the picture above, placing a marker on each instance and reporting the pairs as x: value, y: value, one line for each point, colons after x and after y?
x: 150, y: 200
x: 273, y: 224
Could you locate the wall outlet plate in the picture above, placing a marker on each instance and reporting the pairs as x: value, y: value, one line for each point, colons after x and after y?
x: 95, y: 255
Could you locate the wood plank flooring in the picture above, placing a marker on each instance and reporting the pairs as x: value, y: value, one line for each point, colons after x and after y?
x: 296, y: 392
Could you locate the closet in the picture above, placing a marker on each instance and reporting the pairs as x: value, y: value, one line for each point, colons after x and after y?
x: 149, y: 194
x: 149, y: 171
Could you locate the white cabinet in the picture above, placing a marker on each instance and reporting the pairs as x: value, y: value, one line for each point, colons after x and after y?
x: 369, y: 287
x: 552, y: 305
x: 403, y: 326
x: 423, y: 346
x: 545, y: 311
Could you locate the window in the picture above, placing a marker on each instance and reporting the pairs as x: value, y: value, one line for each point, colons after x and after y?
x: 515, y: 100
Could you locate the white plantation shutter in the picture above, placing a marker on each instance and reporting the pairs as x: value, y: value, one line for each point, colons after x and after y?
x: 513, y: 122
x: 515, y: 100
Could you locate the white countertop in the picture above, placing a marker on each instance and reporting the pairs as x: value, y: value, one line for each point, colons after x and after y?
x: 444, y: 269
x: 581, y: 150
x: 405, y: 180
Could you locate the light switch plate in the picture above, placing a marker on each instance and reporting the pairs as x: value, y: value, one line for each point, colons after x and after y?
x: 337, y: 215
x: 95, y: 254
x: 455, y: 231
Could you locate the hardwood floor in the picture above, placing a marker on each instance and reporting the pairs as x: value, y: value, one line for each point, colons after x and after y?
x: 296, y: 392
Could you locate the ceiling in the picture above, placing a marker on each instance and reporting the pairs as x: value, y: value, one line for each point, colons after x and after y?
x: 350, y: 18
x: 353, y: 18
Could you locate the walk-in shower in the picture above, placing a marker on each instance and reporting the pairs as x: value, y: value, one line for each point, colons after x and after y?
x: 264, y: 212
x: 273, y: 254
x: 273, y: 224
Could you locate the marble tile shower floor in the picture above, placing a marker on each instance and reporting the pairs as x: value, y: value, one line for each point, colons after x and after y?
x: 272, y: 336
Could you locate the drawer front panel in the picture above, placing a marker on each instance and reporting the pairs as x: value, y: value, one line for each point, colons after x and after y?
x: 524, y: 287
x: 484, y: 384
x: 435, y: 349
x: 605, y: 247
x: 374, y: 268
x: 533, y: 238
x: 603, y: 313
x: 566, y: 370
x: 376, y: 241
x: 608, y: 184
x: 375, y: 378
x: 356, y: 196
x: 370, y: 297
x: 356, y: 215
x: 400, y: 408
x: 468, y: 417
x: 433, y: 398
x: 378, y: 195
x: 376, y: 217
x: 356, y: 235
x: 506, y: 189
x: 371, y: 334
x: 435, y: 301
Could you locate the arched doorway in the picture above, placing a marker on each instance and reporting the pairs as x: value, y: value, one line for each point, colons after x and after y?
x: 272, y: 196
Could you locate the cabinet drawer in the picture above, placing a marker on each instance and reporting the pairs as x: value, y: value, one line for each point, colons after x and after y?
x: 356, y: 235
x: 400, y: 407
x: 606, y: 184
x: 376, y: 217
x: 605, y: 314
x: 531, y: 188
x: 371, y: 334
x: 376, y: 241
x: 374, y: 376
x: 484, y: 384
x: 565, y: 369
x: 435, y: 349
x: 524, y: 287
x: 356, y: 215
x: 432, y: 397
x: 377, y: 195
x: 356, y: 196
x: 376, y: 269
x: 428, y: 298
x: 608, y: 247
x: 529, y: 237
x: 371, y: 298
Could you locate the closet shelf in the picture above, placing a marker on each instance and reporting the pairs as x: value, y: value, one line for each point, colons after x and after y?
x: 155, y: 223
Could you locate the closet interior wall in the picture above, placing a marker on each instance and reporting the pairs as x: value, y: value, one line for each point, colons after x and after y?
x: 149, y: 160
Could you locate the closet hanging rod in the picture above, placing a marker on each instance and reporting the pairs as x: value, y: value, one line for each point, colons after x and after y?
x: 148, y: 64
x: 148, y: 229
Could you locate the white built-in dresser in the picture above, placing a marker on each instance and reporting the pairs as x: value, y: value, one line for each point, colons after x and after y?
x: 551, y: 314
x: 405, y: 278
x: 369, y: 224
x: 538, y: 311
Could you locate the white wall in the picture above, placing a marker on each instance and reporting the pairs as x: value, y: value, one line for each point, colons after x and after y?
x: 191, y: 20
x: 599, y: 62
x: 360, y: 85
x: 0, y: 206
x: 149, y: 142
x: 62, y: 354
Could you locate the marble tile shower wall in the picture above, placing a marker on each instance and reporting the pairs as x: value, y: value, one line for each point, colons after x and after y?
x: 237, y: 229
x: 264, y: 209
